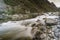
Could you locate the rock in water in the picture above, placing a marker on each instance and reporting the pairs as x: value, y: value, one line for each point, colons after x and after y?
x: 50, y: 21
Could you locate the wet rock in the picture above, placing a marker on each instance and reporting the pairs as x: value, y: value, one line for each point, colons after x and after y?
x: 50, y: 22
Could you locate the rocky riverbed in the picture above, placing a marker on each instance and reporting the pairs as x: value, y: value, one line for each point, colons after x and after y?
x: 44, y: 27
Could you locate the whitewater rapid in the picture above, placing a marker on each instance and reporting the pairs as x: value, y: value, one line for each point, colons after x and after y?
x: 16, y: 29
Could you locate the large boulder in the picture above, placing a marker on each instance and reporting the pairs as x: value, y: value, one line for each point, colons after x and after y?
x: 50, y: 21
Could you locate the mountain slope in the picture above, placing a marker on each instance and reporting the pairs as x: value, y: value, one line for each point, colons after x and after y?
x: 33, y: 5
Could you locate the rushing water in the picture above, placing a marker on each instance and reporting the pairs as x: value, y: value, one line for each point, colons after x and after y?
x: 16, y: 29
x: 57, y: 30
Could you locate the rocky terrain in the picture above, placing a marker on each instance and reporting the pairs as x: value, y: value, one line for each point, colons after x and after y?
x: 29, y: 20
x: 25, y: 9
x: 39, y: 28
x: 33, y: 5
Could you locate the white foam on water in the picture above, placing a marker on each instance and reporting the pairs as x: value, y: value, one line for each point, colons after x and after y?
x: 14, y: 29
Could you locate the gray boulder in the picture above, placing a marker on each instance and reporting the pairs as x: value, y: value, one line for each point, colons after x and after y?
x: 50, y: 21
